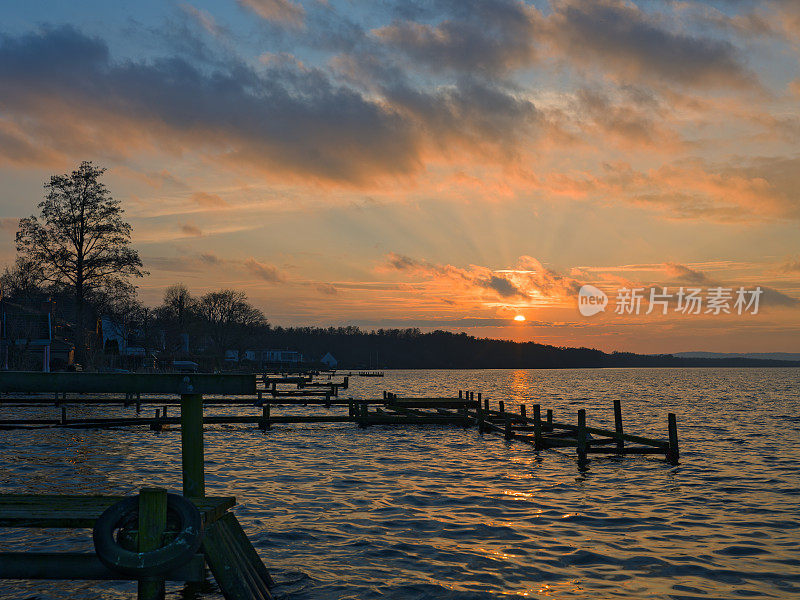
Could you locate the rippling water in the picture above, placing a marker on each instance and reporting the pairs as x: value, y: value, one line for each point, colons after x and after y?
x: 338, y: 512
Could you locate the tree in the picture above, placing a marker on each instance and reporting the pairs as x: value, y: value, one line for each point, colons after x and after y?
x: 229, y: 319
x: 80, y: 241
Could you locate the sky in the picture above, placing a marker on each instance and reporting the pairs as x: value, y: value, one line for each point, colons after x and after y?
x: 448, y: 164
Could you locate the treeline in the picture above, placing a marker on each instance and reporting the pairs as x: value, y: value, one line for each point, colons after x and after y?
x: 413, y: 349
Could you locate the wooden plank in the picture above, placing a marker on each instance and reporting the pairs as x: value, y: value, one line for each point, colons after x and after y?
x: 77, y: 566
x: 144, y: 383
x: 626, y: 450
x: 257, y: 586
x: 613, y: 434
x: 224, y: 566
x: 235, y: 528
x: 17, y: 510
x: 432, y: 403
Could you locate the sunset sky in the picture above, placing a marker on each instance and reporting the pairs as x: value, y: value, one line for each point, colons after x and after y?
x: 444, y: 164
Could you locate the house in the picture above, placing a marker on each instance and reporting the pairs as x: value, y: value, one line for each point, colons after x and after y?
x: 27, y: 338
x: 329, y: 361
x: 281, y: 356
x: 115, y: 339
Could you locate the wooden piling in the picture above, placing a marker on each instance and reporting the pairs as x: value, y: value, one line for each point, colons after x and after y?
x: 537, y: 427
x: 502, y: 406
x: 486, y: 406
x: 63, y: 415
x: 549, y: 419
x: 618, y: 426
x: 523, y: 412
x: 508, y: 432
x: 581, y: 435
x: 672, y: 453
x: 152, y: 523
x: 192, y: 445
x: 265, y: 424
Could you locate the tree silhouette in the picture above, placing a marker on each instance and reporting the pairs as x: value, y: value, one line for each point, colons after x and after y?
x: 80, y: 240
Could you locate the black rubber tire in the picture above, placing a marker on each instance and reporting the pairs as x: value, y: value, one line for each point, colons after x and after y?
x: 154, y: 562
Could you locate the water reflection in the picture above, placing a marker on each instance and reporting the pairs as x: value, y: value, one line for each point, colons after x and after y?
x: 338, y: 512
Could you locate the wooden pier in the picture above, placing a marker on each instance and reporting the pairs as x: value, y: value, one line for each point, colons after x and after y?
x: 224, y: 546
x: 207, y: 534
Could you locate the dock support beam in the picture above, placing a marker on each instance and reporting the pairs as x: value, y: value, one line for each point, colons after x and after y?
x: 194, y: 485
x: 582, y: 446
x: 618, y: 426
x: 672, y: 453
x: 152, y: 523
x: 537, y: 427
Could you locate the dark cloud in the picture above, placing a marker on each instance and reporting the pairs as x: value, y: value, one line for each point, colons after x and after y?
x: 326, y: 289
x: 263, y: 271
x: 66, y: 85
x: 502, y: 286
x: 491, y: 36
x: 190, y: 229
x: 619, y: 36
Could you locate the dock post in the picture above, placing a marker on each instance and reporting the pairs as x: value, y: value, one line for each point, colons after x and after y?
x: 63, y: 415
x: 508, y: 432
x: 194, y: 485
x: 152, y: 523
x: 537, y: 427
x: 460, y: 394
x: 265, y: 410
x: 618, y: 426
x: 502, y: 406
x: 523, y: 412
x: 479, y: 414
x: 486, y: 405
x: 549, y: 419
x: 581, y: 438
x: 672, y: 453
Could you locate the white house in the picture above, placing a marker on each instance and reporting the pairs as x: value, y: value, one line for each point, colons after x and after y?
x: 329, y: 361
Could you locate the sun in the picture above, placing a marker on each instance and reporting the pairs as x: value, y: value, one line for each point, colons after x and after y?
x: 519, y: 318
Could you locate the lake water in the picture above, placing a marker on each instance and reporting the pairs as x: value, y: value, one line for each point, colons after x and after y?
x: 338, y: 512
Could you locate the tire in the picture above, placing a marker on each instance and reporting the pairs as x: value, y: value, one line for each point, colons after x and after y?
x: 153, y: 562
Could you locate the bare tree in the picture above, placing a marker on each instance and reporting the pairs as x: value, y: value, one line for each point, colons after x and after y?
x: 80, y: 240
x: 229, y: 319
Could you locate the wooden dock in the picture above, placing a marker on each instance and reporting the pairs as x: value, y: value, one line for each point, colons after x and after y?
x: 207, y: 533
x: 224, y: 546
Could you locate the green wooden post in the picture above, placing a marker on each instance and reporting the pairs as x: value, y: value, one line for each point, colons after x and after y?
x: 537, y: 427
x: 152, y: 523
x: 581, y: 435
x: 192, y: 445
x: 672, y: 453
x: 618, y: 426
